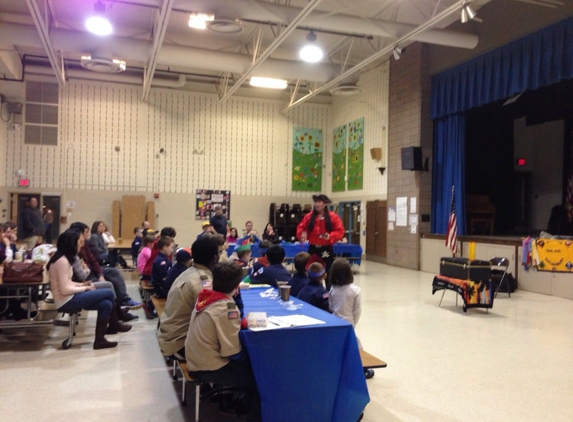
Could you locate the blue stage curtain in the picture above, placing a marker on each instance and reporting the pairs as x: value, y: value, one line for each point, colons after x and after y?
x: 537, y: 60
x: 540, y: 59
x: 448, y: 168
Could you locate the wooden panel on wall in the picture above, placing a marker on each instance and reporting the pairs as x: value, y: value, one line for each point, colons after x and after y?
x: 116, y: 219
x: 151, y: 214
x: 132, y: 214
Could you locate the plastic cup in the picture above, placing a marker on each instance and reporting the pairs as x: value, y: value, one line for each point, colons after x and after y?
x: 285, y: 293
x: 281, y: 283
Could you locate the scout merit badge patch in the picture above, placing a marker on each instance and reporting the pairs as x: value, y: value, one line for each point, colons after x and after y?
x: 233, y: 313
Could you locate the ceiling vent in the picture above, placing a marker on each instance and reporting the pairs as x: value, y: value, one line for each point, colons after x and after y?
x: 102, y: 65
x: 225, y: 26
x: 346, y: 89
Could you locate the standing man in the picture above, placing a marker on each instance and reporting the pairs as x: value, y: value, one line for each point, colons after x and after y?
x: 145, y: 225
x: 321, y: 228
x: 33, y: 224
x: 219, y: 221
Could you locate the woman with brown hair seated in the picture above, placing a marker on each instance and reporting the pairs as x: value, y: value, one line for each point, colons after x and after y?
x: 70, y: 296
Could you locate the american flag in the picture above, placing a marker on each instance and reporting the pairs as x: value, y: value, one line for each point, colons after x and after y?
x: 452, y: 233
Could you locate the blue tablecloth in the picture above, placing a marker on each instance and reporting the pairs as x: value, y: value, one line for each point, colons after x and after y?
x: 305, y: 374
x: 291, y: 249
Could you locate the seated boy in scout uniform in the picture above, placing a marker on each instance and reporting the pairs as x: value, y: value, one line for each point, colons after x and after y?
x: 213, y: 348
x: 182, y: 296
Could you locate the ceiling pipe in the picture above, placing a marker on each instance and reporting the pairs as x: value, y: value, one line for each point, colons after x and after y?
x: 107, y: 77
x: 75, y: 43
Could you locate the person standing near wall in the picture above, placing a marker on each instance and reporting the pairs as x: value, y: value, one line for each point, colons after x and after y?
x: 33, y: 224
x: 219, y: 221
x: 321, y: 228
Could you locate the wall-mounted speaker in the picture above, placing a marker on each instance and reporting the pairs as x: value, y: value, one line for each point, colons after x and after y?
x: 412, y: 158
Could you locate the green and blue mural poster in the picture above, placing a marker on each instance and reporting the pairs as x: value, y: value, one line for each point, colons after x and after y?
x: 356, y: 154
x: 339, y: 159
x: 307, y: 159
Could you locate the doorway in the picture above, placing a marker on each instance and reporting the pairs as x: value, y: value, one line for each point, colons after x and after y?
x: 18, y: 203
x: 52, y: 202
x: 349, y: 213
x: 376, y: 220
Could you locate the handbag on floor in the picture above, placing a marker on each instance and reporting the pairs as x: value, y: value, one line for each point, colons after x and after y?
x: 22, y: 272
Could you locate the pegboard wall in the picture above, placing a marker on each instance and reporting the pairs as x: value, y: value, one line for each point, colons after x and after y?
x: 176, y: 142
x: 372, y: 104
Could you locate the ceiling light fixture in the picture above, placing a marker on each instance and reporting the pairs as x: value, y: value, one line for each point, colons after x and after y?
x: 199, y: 20
x: 467, y: 12
x: 311, y: 52
x: 397, y: 53
x: 99, y: 24
x: 271, y: 83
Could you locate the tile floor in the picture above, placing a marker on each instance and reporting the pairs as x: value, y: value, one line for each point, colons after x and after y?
x: 514, y: 363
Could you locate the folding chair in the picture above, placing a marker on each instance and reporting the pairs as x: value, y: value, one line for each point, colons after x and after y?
x: 501, y: 264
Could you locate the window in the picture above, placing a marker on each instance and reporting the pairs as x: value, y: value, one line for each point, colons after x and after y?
x: 41, y: 113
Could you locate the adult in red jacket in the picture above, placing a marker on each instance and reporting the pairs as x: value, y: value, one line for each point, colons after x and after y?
x: 321, y: 228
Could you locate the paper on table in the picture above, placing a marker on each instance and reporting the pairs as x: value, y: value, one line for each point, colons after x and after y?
x: 294, y: 320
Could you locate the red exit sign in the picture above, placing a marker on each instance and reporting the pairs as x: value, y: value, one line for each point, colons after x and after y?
x: 24, y: 183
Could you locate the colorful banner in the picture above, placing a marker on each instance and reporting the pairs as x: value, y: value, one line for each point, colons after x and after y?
x: 356, y: 154
x: 554, y: 255
x: 307, y: 159
x: 339, y: 159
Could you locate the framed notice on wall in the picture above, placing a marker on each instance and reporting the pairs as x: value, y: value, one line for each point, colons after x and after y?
x: 206, y: 200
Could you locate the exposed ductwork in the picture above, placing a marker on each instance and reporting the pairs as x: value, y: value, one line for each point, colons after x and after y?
x: 110, y: 77
x: 263, y: 12
x: 75, y: 43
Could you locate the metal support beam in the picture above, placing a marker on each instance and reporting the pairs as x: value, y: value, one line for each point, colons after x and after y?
x: 274, y: 45
x: 387, y: 50
x: 158, y: 36
x: 42, y: 25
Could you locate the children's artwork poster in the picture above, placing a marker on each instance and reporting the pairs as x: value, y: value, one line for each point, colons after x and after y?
x: 307, y: 159
x: 356, y: 154
x: 339, y: 159
x: 206, y: 200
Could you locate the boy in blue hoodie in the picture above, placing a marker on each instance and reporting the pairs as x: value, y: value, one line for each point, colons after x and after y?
x: 161, y: 265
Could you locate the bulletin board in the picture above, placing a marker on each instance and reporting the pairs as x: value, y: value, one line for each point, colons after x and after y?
x: 206, y: 200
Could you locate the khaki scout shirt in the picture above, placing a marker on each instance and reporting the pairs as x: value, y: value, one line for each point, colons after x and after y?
x: 213, y: 336
x: 178, y: 308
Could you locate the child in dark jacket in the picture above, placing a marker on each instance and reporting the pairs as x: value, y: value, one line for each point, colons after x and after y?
x: 275, y: 271
x: 299, y: 279
x: 314, y: 292
x: 182, y: 263
x: 161, y: 265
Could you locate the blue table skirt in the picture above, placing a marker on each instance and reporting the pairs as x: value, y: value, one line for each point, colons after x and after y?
x: 305, y: 374
x: 291, y: 249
